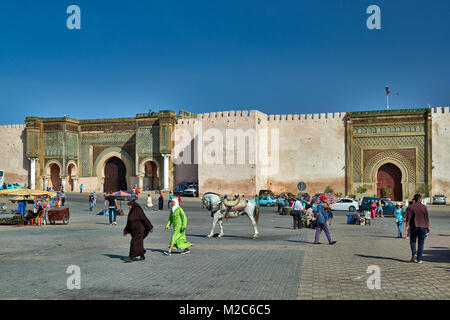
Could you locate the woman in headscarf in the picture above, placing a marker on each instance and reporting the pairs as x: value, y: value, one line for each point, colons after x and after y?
x: 149, y: 201
x: 178, y: 220
x: 373, y: 209
x: 160, y: 202
x: 139, y: 226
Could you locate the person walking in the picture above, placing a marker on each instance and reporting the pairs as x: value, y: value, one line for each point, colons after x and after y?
x: 408, y: 232
x: 81, y: 188
x: 398, y: 215
x: 160, y: 202
x: 170, y: 199
x: 137, y: 191
x: 373, y: 209
x: 94, y: 195
x: 418, y: 223
x: 178, y: 220
x: 63, y: 198
x: 322, y: 215
x: 297, y: 210
x: 138, y: 226
x: 380, y: 209
x: 149, y: 201
x: 179, y: 198
x: 112, y: 210
x: 257, y: 200
x: 91, y: 202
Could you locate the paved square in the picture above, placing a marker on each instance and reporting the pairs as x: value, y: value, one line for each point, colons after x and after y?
x: 282, y: 264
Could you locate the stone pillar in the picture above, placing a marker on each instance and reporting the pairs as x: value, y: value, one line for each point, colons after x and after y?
x: 166, y: 171
x: 141, y: 183
x: 32, y: 173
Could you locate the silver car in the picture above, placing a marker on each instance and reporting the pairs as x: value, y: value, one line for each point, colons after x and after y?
x: 191, y: 191
x: 439, y: 199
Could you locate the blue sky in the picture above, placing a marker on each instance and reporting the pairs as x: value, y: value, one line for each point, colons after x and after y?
x: 206, y: 56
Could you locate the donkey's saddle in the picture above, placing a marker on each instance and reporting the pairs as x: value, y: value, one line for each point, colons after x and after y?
x: 238, y: 204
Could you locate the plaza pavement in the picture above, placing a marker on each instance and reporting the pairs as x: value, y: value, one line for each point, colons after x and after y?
x: 282, y: 264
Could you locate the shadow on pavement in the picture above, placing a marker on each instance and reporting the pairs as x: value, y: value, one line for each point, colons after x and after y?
x: 115, y: 256
x: 384, y: 258
x: 155, y: 250
x: 441, y: 256
x: 299, y: 241
x: 287, y: 228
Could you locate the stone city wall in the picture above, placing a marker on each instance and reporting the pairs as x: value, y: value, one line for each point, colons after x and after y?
x: 279, y: 151
x: 440, y: 154
x: 13, y: 160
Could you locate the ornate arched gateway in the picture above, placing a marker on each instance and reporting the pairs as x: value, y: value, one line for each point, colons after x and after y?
x: 388, y: 150
x: 115, y: 175
x: 90, y: 146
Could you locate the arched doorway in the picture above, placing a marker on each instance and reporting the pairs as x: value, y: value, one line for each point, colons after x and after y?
x: 71, y: 174
x: 115, y: 175
x: 389, y: 178
x: 55, y: 178
x: 151, y: 181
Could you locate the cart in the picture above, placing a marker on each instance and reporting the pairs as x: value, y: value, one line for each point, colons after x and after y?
x: 59, y: 214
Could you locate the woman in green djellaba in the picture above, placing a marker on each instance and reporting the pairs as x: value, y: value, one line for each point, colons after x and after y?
x: 178, y: 220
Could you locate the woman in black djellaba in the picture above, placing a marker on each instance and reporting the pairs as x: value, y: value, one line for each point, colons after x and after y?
x: 138, y: 226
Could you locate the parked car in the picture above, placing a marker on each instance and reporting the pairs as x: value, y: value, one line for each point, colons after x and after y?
x: 388, y: 206
x: 191, y: 191
x: 439, y: 199
x: 304, y: 196
x: 9, y: 186
x: 179, y: 189
x: 267, y: 201
x: 288, y: 195
x: 263, y: 193
x: 346, y: 204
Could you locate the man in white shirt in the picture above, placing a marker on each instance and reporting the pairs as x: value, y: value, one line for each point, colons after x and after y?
x: 297, y: 209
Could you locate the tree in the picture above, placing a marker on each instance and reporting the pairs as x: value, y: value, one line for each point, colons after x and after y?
x: 361, y: 190
x: 384, y: 192
x: 424, y: 190
x: 328, y: 190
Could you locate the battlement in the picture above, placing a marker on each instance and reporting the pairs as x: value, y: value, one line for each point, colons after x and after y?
x: 307, y: 116
x: 240, y: 114
x: 12, y: 126
x: 441, y: 110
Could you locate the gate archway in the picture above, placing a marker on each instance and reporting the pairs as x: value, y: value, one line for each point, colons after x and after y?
x: 115, y: 175
x: 54, y: 175
x: 389, y: 178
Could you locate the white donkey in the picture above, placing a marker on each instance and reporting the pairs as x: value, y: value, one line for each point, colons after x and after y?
x: 213, y: 203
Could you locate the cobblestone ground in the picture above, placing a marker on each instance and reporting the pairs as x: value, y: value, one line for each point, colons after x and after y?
x: 282, y: 264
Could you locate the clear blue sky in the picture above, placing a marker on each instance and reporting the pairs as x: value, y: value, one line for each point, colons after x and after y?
x: 277, y: 56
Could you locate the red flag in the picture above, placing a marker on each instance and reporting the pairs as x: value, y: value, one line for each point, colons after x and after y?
x: 387, y: 91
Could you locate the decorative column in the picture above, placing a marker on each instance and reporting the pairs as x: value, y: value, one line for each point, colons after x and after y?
x: 166, y: 171
x: 32, y: 173
x: 75, y: 184
x: 141, y: 183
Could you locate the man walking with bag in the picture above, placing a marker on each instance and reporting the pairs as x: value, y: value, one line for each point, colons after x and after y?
x: 418, y: 224
x: 297, y: 209
x: 323, y: 211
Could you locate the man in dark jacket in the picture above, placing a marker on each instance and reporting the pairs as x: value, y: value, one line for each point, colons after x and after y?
x: 418, y: 223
